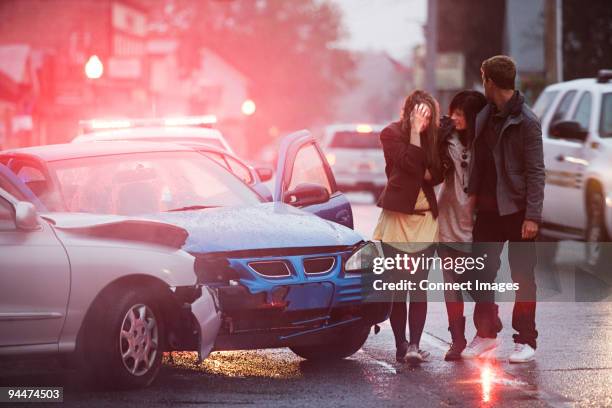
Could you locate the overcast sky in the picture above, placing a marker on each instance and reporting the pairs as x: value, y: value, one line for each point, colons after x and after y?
x: 395, y: 26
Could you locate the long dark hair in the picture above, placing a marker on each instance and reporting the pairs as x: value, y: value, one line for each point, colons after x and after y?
x: 470, y: 102
x: 430, y: 144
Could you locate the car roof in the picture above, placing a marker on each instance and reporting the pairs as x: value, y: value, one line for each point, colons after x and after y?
x: 347, y: 127
x: 49, y: 153
x: 151, y: 132
x: 590, y: 84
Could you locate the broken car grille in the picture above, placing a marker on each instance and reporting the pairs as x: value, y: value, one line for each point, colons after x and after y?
x: 319, y: 266
x: 271, y: 269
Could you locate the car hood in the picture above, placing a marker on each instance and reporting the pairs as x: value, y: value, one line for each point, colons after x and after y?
x: 118, y: 227
x: 262, y: 226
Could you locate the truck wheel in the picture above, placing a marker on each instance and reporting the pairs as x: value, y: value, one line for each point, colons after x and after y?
x: 344, y: 345
x: 598, y: 251
x: 547, y: 249
x: 124, y: 340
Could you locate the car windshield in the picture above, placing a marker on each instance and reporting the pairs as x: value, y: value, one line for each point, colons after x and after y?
x: 146, y: 183
x: 605, y: 123
x: 355, y: 140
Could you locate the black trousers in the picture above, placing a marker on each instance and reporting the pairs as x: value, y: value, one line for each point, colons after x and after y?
x: 491, y: 231
x: 453, y: 298
x: 417, y: 313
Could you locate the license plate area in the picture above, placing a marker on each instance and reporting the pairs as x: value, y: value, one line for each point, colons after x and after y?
x: 316, y: 295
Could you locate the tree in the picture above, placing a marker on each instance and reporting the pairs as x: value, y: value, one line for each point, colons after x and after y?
x: 587, y: 37
x: 285, y: 48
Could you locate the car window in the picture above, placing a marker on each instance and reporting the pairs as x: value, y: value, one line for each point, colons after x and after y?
x: 563, y: 108
x: 605, y: 122
x: 240, y: 170
x: 7, y: 216
x: 309, y: 168
x: 582, y: 114
x: 146, y: 183
x: 355, y: 140
x: 544, y: 103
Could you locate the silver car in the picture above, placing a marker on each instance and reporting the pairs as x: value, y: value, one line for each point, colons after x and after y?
x: 110, y: 293
x: 355, y: 154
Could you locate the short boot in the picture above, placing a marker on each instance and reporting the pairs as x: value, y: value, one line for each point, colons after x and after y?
x: 457, y: 330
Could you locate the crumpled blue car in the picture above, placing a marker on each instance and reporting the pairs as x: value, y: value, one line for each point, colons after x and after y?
x: 286, y: 273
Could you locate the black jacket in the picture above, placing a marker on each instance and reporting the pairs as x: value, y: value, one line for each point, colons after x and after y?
x: 519, y: 161
x: 405, y: 166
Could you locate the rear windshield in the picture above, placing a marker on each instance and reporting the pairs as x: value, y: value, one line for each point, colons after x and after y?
x: 356, y: 140
x: 544, y: 103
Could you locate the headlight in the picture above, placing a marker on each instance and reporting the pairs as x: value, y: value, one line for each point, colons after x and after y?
x: 362, y: 260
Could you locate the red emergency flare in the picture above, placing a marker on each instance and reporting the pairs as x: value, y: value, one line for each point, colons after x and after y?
x: 248, y: 107
x: 486, y: 378
x: 94, y: 67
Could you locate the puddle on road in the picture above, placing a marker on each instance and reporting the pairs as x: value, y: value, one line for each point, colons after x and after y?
x: 238, y: 364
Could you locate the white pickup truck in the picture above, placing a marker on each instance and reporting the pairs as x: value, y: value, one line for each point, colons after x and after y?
x: 577, y: 132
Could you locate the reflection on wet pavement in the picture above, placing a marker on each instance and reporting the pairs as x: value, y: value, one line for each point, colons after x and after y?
x: 238, y: 364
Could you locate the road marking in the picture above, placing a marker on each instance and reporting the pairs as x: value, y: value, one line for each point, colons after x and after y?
x: 388, y: 367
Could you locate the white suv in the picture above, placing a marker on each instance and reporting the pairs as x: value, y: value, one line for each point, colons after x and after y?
x: 355, y: 154
x: 576, y: 121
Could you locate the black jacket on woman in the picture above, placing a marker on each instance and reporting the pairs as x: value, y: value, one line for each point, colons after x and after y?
x: 405, y: 166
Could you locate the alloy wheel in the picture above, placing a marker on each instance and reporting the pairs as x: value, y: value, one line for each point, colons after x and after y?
x: 139, y: 340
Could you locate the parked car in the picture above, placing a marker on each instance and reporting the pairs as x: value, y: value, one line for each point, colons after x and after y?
x: 196, y: 129
x: 188, y: 131
x: 108, y: 293
x: 355, y: 154
x: 287, y: 273
x: 577, y: 132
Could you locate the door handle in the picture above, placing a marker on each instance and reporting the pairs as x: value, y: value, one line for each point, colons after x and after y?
x: 560, y: 158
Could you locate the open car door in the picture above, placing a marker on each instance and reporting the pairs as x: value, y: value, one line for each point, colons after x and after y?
x: 15, y: 186
x: 305, y: 180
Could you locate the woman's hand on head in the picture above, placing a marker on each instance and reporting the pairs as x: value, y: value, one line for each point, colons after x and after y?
x: 420, y: 117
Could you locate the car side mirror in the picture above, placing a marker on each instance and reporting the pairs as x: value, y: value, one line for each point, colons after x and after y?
x: 306, y: 194
x: 26, y: 217
x: 568, y: 129
x: 264, y: 173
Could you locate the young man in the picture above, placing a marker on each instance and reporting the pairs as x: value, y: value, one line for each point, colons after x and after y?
x: 507, y: 179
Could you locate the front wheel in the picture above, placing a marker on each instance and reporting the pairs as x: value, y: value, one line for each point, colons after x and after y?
x: 345, y: 344
x: 124, y: 340
x: 598, y: 250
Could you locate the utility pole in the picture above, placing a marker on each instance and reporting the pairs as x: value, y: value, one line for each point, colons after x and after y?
x: 553, y: 40
x: 559, y: 37
x: 431, y: 39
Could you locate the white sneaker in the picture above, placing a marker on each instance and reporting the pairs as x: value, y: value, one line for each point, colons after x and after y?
x: 522, y: 353
x: 480, y: 346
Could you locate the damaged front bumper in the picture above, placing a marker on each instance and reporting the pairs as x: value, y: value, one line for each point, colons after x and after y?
x: 289, y: 315
x: 194, y: 320
x: 208, y: 320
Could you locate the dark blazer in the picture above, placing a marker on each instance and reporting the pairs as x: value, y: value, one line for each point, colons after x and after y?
x: 519, y: 161
x: 405, y: 168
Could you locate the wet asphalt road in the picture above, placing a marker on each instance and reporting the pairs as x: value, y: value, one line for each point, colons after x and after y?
x: 573, y: 367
